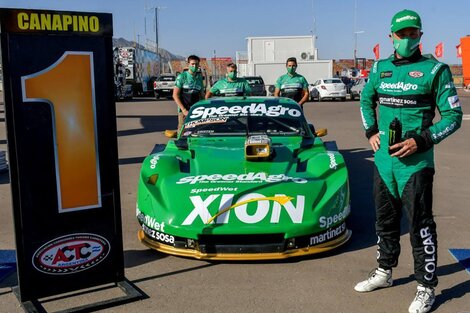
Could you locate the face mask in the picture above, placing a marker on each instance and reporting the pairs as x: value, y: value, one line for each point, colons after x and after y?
x: 406, y: 46
x: 291, y: 70
x: 193, y: 69
x: 232, y: 75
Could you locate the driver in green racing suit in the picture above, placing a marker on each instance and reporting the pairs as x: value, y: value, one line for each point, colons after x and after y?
x: 407, y: 88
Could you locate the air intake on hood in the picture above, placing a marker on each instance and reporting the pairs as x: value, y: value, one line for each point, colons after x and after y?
x: 257, y: 147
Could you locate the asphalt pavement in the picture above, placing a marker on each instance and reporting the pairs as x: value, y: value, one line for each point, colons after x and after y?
x: 319, y: 283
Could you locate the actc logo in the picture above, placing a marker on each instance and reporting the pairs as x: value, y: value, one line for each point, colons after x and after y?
x: 70, y: 254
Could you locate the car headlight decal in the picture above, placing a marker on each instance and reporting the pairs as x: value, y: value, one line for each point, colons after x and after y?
x: 152, y: 179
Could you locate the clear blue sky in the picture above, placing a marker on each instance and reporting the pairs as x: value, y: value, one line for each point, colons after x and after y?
x: 200, y: 27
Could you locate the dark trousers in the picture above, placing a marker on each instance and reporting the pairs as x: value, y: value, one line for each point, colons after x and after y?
x: 416, y: 200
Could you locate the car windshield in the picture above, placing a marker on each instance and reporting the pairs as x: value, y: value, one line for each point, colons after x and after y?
x: 166, y: 78
x: 243, y: 119
x: 332, y: 81
x: 254, y: 80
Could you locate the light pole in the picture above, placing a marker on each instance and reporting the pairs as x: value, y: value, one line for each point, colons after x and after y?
x: 355, y: 46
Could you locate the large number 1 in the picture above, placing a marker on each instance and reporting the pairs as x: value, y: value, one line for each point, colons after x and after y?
x: 68, y: 87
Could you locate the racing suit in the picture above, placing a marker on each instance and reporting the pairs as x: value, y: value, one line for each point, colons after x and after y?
x: 291, y: 86
x: 226, y: 88
x: 191, y: 89
x: 408, y: 89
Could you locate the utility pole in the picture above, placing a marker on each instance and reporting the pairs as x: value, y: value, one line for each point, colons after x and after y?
x: 156, y: 11
x: 215, y: 65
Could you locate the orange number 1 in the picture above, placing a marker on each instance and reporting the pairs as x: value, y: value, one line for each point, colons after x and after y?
x: 68, y: 87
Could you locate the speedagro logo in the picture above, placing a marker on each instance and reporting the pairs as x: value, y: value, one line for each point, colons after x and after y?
x: 398, y: 86
x: 237, y: 110
x: 250, y: 177
x: 71, y: 254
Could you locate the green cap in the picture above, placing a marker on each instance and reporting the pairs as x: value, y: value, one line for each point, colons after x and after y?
x: 404, y: 19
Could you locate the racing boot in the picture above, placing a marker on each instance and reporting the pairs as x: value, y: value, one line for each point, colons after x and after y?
x: 423, y: 300
x: 378, y: 278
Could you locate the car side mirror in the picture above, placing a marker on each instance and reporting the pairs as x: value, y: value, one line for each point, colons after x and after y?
x: 321, y: 132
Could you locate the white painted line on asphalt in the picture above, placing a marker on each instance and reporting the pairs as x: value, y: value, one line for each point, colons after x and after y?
x: 466, y: 117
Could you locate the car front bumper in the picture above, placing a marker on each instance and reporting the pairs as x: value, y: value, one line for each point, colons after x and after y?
x: 205, y: 249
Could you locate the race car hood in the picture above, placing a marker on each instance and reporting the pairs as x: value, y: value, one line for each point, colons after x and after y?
x: 210, y: 188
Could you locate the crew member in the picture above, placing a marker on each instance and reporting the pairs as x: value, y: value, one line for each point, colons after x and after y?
x: 231, y: 85
x: 189, y: 88
x: 292, y: 85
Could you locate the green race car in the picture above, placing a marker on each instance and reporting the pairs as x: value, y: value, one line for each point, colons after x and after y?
x: 246, y: 179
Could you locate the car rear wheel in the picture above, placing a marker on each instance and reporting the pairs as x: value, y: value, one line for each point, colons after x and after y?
x: 343, y: 98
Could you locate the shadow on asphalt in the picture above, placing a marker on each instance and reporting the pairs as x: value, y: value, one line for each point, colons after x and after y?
x: 150, y: 124
x: 454, y: 292
x: 134, y: 258
x: 362, y: 219
x: 195, y: 268
x: 133, y: 160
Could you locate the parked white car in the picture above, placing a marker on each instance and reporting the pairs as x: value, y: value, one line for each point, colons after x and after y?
x: 163, y: 86
x: 356, y: 89
x: 332, y: 88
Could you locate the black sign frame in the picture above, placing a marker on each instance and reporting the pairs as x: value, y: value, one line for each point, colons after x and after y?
x: 62, y: 143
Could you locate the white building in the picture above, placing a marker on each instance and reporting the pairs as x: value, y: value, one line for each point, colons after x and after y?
x: 266, y: 57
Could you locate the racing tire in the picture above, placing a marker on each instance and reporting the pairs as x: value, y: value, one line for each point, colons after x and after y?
x: 343, y: 99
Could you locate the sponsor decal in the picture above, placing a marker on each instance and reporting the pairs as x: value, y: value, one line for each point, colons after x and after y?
x: 155, y: 230
x: 430, y: 250
x: 213, y: 120
x: 364, y: 121
x: 199, y: 190
x: 398, y: 86
x: 405, y: 18
x: 250, y: 178
x: 436, y: 68
x: 291, y: 85
x: 249, y: 209
x: 397, y: 101
x: 416, y: 74
x: 374, y: 67
x: 386, y: 74
x: 71, y: 254
x: 449, y: 85
x: 447, y: 131
x: 231, y: 91
x: 333, y: 164
x: 140, y: 216
x: 378, y: 247
x: 254, y: 109
x: 58, y: 22
x: 327, y: 221
x: 158, y: 236
x: 454, y: 101
x: 328, y: 235
x: 154, y: 161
